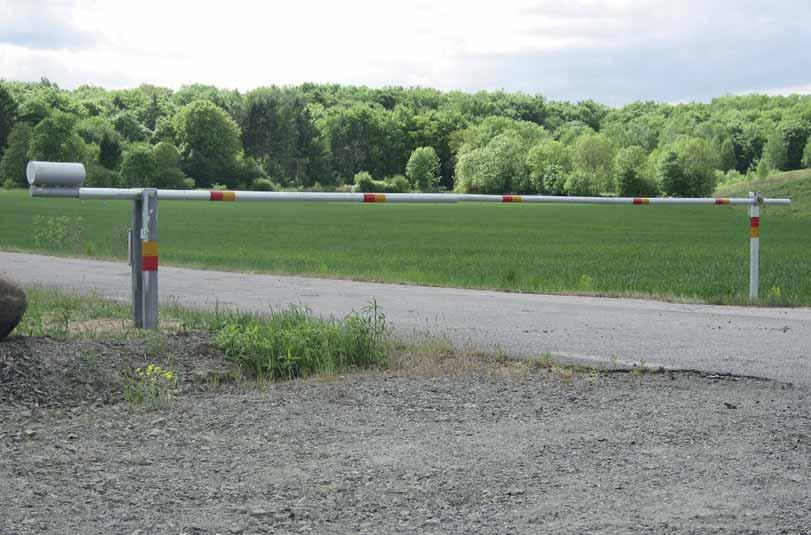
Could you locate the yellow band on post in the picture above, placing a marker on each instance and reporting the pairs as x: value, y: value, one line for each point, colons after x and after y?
x: 149, y: 248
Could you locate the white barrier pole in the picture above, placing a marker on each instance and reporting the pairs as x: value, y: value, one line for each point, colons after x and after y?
x: 443, y: 198
x: 754, y: 245
x: 144, y: 232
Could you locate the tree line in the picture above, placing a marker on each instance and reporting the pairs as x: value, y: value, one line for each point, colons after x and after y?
x: 323, y: 136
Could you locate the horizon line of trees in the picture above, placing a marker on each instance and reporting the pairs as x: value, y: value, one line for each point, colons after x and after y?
x: 327, y: 136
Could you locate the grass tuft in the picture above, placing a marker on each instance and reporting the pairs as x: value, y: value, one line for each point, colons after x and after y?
x: 293, y: 343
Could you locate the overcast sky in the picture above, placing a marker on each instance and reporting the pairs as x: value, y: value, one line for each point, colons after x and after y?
x: 614, y: 51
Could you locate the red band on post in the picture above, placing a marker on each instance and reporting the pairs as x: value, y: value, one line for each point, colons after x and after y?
x: 215, y: 196
x: 754, y: 222
x: 149, y: 263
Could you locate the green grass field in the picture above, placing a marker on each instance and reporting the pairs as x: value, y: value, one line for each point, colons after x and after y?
x: 699, y: 253
x: 793, y: 184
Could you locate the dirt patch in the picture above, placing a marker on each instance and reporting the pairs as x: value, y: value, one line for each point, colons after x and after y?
x: 46, y: 372
x: 528, y: 450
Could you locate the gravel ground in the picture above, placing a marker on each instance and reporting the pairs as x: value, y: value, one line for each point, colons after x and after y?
x: 498, y: 449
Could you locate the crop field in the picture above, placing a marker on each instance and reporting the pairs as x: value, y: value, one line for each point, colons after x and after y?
x: 692, y: 253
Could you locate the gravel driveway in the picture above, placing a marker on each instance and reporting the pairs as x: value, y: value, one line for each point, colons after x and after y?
x: 504, y: 448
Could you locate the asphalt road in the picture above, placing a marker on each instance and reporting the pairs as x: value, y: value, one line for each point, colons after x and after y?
x: 772, y: 343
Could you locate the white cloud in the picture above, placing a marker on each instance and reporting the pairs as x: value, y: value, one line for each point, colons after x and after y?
x: 804, y: 89
x: 452, y: 44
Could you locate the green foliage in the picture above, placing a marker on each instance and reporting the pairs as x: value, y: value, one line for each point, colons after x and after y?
x: 99, y: 176
x: 246, y: 170
x: 494, y: 157
x: 325, y: 133
x: 209, y: 141
x: 807, y: 154
x: 139, y: 167
x: 422, y: 168
x: 775, y: 152
x: 570, y: 132
x: 363, y: 137
x: 127, y: 124
x: 687, y: 169
x: 554, y: 179
x: 364, y: 183
x: 726, y: 155
x: 278, y: 131
x: 59, y: 233
x: 631, y: 166
x: 150, y: 385
x: 582, y: 184
x: 9, y: 184
x: 167, y: 166
x: 110, y: 150
x: 8, y: 115
x: 762, y: 169
x: 549, y: 162
x: 55, y: 139
x: 784, y: 149
x: 670, y: 174
x: 164, y: 130
x: 594, y: 155
x: 15, y: 158
x: 293, y: 343
x: 263, y: 184
x: 398, y: 184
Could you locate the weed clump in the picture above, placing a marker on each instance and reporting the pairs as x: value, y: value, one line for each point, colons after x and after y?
x: 293, y: 343
x: 151, y: 385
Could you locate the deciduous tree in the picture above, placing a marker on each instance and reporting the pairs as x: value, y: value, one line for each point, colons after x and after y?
x: 422, y: 168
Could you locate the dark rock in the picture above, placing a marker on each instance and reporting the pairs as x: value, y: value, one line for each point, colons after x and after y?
x: 12, y: 306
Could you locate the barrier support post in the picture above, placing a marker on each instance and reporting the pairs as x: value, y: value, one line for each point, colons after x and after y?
x: 149, y: 258
x: 146, y: 300
x: 135, y: 263
x: 754, y: 245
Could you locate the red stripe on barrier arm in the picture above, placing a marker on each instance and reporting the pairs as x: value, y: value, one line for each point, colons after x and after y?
x: 754, y: 222
x: 506, y: 198
x: 641, y: 201
x: 721, y: 201
x: 368, y: 197
x: 215, y: 196
x: 149, y: 263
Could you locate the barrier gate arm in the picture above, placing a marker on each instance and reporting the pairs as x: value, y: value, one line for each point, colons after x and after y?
x: 64, y: 180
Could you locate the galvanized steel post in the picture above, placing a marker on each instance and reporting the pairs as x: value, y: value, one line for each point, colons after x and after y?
x: 135, y: 263
x: 754, y: 244
x: 149, y: 258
